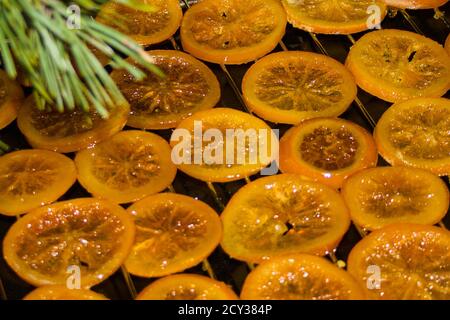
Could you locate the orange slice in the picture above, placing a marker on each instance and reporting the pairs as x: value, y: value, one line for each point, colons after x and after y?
x: 187, y: 287
x: 145, y: 28
x: 90, y: 235
x: 333, y: 17
x: 128, y: 167
x: 416, y: 133
x: 327, y: 150
x: 283, y: 214
x: 416, y: 4
x: 403, y: 261
x: 56, y: 292
x: 174, y: 233
x: 11, y: 97
x: 396, y: 65
x: 289, y: 87
x: 161, y: 103
x: 300, y: 277
x: 239, y: 145
x: 68, y: 131
x: 382, y: 196
x: 32, y: 178
x: 233, y: 31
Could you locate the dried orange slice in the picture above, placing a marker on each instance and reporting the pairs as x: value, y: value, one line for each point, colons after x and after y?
x: 415, y: 4
x: 283, y: 214
x: 187, y: 287
x: 416, y: 133
x: 174, y: 233
x: 327, y: 150
x: 32, y: 178
x: 403, y: 261
x: 91, y: 235
x: 161, y: 103
x: 145, y: 27
x: 289, y: 87
x: 300, y: 277
x: 382, y: 196
x: 396, y: 65
x: 11, y: 97
x: 128, y: 167
x: 333, y: 17
x: 68, y: 131
x: 233, y: 31
x: 56, y: 292
x: 222, y: 145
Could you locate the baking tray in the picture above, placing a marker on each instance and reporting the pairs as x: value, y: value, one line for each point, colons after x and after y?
x: 365, y: 112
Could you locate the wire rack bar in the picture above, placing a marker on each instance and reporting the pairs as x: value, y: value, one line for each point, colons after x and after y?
x: 129, y: 282
x: 411, y: 22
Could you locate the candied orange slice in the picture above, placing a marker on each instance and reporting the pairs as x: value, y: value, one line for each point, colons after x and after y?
x: 333, y: 17
x: 56, y: 292
x: 32, y: 178
x: 68, y: 131
x: 187, y: 287
x: 225, y: 155
x: 233, y: 31
x: 403, y: 261
x: 300, y: 277
x: 289, y: 87
x: 381, y: 196
x: 416, y: 133
x: 327, y: 150
x: 145, y: 27
x: 128, y: 167
x: 91, y: 235
x: 396, y: 65
x: 415, y: 4
x: 283, y: 214
x: 161, y: 103
x: 174, y: 233
x: 11, y: 97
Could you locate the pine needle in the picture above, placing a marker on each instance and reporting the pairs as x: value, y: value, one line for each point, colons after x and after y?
x: 57, y: 60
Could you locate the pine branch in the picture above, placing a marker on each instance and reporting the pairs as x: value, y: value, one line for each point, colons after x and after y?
x: 57, y: 60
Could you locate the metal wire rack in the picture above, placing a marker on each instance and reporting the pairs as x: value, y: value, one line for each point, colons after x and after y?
x: 365, y: 111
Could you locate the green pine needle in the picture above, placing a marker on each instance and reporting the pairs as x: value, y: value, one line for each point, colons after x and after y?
x: 64, y: 73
